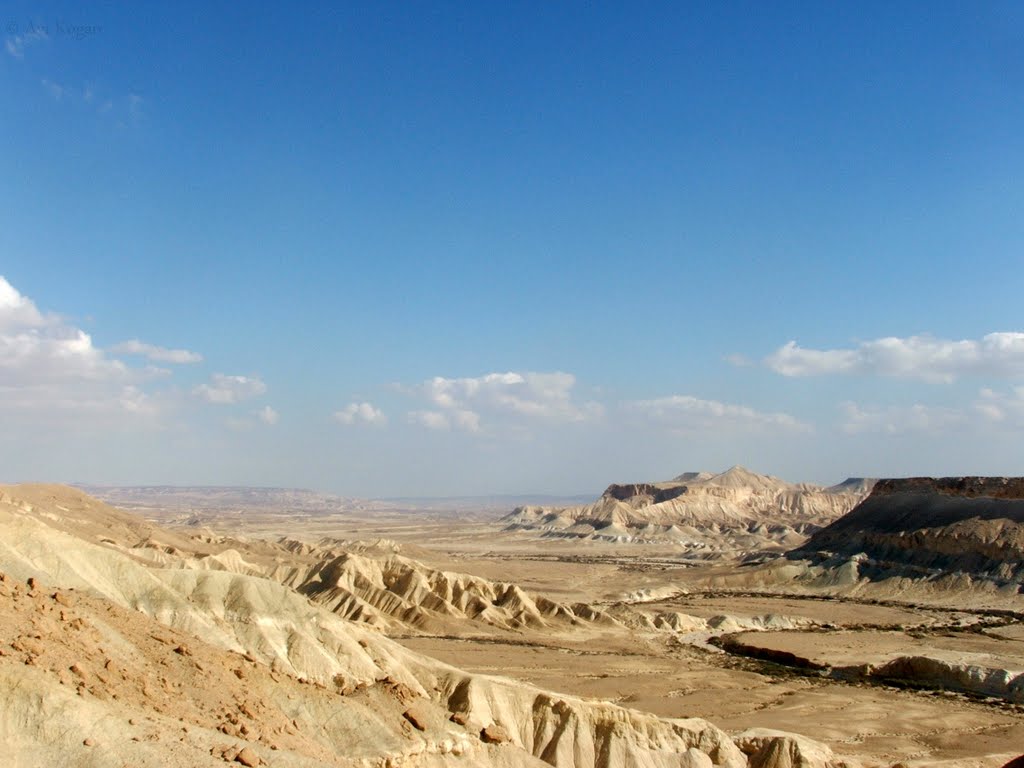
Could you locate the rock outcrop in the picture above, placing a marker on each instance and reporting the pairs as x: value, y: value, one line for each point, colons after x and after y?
x: 930, y: 528
x: 395, y: 592
x: 735, y: 509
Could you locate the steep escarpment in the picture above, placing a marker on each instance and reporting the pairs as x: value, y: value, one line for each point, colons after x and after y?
x: 736, y: 509
x: 931, y: 528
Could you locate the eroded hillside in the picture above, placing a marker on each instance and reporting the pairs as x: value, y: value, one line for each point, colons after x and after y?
x: 118, y: 652
x: 736, y: 510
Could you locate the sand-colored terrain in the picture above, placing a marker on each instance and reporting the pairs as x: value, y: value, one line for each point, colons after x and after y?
x: 735, y: 511
x: 375, y: 622
x: 384, y: 705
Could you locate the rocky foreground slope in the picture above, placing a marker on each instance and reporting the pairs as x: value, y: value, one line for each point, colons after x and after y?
x: 112, y: 653
x: 932, y: 529
x: 734, y: 509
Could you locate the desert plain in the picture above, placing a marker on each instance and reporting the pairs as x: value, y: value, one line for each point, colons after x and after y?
x: 691, y: 622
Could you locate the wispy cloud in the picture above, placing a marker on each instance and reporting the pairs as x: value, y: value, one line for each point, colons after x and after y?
x: 688, y: 414
x: 228, y: 390
x: 999, y: 355
x: 123, y: 110
x: 467, y: 421
x: 16, y: 44
x: 471, y: 403
x: 55, y: 90
x: 360, y: 413
x: 268, y: 415
x: 1004, y: 408
x: 740, y: 361
x: 899, y: 419
x: 155, y: 353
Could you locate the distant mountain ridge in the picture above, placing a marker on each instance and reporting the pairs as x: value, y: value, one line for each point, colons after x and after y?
x: 695, y: 507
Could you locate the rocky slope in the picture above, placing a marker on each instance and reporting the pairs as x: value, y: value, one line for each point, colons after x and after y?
x: 734, y: 509
x: 931, y: 528
x: 108, y: 658
x: 395, y: 592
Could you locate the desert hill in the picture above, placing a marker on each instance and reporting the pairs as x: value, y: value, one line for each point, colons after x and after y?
x: 370, y: 582
x: 930, y: 528
x: 109, y: 658
x: 395, y: 592
x: 735, y: 509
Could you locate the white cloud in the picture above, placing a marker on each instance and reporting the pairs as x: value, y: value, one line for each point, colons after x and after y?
x: 227, y: 390
x: 268, y: 415
x: 685, y: 413
x: 464, y: 403
x: 430, y: 419
x: 49, y: 365
x: 56, y: 90
x: 467, y: 421
x: 19, y: 311
x: 923, y: 357
x: 364, y: 413
x: 1005, y: 408
x: 16, y: 44
x: 740, y: 361
x: 897, y: 419
x: 155, y: 353
x: 37, y: 348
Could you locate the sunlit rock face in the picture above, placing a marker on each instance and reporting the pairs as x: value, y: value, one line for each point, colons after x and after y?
x: 736, y: 509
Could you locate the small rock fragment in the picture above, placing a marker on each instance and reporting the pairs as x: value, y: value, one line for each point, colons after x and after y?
x: 248, y: 758
x: 417, y: 717
x: 494, y: 734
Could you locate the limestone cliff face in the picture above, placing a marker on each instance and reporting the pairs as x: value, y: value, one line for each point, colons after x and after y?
x: 933, y: 526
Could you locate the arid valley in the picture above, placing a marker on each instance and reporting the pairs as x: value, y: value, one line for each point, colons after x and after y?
x: 714, y: 619
x: 512, y: 385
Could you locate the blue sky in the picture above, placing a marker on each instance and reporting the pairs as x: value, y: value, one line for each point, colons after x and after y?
x: 449, y: 248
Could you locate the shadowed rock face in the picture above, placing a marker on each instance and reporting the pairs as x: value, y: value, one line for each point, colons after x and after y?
x: 658, y: 495
x: 968, y: 487
x: 972, y: 525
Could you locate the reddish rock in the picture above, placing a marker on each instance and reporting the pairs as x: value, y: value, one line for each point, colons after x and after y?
x: 417, y: 717
x: 494, y: 734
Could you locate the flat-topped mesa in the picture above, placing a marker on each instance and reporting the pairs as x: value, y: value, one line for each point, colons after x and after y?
x: 968, y: 486
x: 925, y: 527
